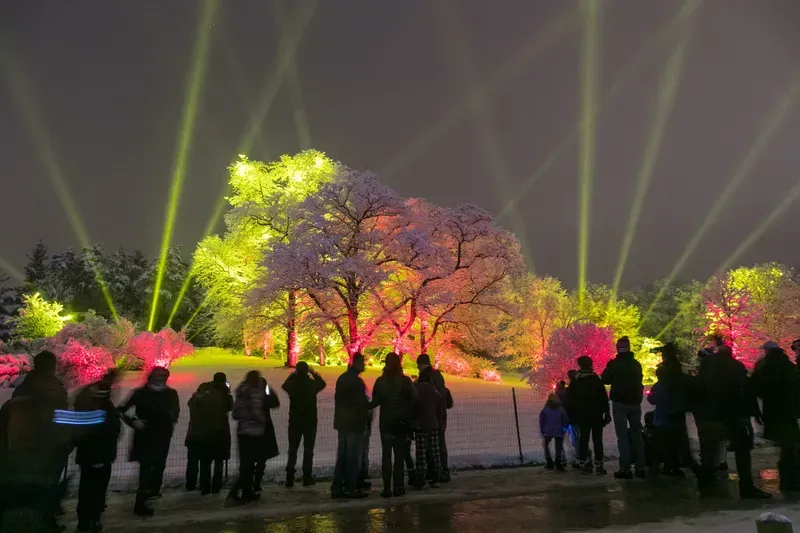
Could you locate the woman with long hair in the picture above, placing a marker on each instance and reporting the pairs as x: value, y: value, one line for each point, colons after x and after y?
x: 395, y: 395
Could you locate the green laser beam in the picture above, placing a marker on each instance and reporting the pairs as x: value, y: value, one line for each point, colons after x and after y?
x: 756, y: 235
x: 197, y: 311
x: 185, y: 136
x: 299, y: 114
x: 670, y: 79
x: 555, y: 29
x: 589, y: 75
x: 771, y: 127
x: 285, y: 62
x: 457, y: 47
x: 669, y: 325
x: 11, y: 270
x: 628, y: 75
x: 38, y: 131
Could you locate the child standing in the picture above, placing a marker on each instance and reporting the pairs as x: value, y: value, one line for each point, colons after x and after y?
x: 552, y: 421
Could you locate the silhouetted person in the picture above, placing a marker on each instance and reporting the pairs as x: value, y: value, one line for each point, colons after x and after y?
x: 437, y: 379
x: 351, y: 410
x: 96, y: 450
x: 723, y: 410
x: 33, y: 450
x: 255, y: 435
x: 394, y: 393
x: 572, y: 429
x: 430, y: 405
x: 208, y: 439
x: 561, y: 390
x: 303, y: 385
x: 156, y: 411
x: 587, y: 406
x: 775, y: 381
x: 553, y: 421
x: 796, y: 349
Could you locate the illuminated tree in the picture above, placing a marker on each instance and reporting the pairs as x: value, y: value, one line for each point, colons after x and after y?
x: 566, y: 345
x: 9, y: 303
x: 263, y: 200
x: 602, y: 308
x: 731, y: 314
x: 38, y: 318
x: 340, y: 252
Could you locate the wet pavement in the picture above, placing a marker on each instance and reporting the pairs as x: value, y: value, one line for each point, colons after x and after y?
x: 523, y: 500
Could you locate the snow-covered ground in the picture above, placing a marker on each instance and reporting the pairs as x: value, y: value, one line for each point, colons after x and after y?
x: 481, y: 427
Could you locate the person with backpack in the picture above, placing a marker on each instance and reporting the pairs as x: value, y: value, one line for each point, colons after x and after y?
x: 624, y: 374
x: 96, y: 450
x: 33, y: 449
x: 587, y: 406
x: 255, y: 434
x: 156, y: 408
x: 208, y: 439
x: 394, y: 393
x: 437, y: 379
x: 303, y: 385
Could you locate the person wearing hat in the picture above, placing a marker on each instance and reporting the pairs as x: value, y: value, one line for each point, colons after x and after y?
x: 436, y: 378
x: 624, y: 374
x: 775, y: 381
x: 156, y: 411
x: 208, y: 439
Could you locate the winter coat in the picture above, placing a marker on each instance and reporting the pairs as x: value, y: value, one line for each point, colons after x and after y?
x: 624, y: 374
x: 723, y: 392
x: 397, y: 397
x: 436, y: 377
x: 159, y: 410
x: 44, y: 385
x: 586, y: 399
x: 97, y: 444
x: 351, y: 404
x: 552, y: 420
x: 209, y: 427
x: 252, y: 412
x: 775, y: 381
x: 303, y: 391
x: 430, y: 404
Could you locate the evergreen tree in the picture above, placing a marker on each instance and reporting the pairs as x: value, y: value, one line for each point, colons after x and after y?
x: 36, y: 271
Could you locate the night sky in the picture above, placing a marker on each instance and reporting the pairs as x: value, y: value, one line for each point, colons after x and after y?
x: 108, y: 81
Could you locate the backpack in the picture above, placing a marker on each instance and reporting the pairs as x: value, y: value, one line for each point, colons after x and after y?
x: 203, y: 409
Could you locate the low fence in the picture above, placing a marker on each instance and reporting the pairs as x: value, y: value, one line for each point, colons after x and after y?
x: 494, y: 429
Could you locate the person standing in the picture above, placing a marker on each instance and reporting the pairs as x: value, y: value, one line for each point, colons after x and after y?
x: 430, y: 405
x: 351, y: 410
x: 208, y: 439
x: 394, y: 393
x: 796, y: 349
x: 553, y: 421
x: 624, y: 374
x: 775, y: 381
x: 437, y: 379
x: 269, y: 443
x: 303, y: 385
x: 587, y: 405
x: 723, y: 409
x: 96, y: 451
x: 156, y: 412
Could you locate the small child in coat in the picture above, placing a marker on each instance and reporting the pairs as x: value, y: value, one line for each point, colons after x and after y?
x: 553, y: 420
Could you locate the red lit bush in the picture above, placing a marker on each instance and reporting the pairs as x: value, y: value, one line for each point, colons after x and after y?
x: 159, y: 349
x: 11, y: 367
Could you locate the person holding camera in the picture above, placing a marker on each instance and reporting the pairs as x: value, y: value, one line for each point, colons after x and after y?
x: 303, y: 385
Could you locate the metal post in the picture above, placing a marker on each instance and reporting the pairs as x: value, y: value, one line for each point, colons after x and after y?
x: 516, y: 419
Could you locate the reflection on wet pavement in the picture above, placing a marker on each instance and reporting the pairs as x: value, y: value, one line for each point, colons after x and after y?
x: 556, y: 510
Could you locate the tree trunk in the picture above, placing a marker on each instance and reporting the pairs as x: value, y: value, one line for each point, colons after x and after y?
x: 321, y: 348
x: 292, y: 348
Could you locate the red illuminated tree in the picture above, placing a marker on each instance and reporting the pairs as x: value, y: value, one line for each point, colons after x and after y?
x: 731, y: 314
x: 566, y: 345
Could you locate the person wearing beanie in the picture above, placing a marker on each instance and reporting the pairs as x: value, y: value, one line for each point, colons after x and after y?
x: 435, y: 377
x: 624, y: 374
x: 208, y: 439
x: 350, y: 417
x: 303, y: 385
x: 586, y: 403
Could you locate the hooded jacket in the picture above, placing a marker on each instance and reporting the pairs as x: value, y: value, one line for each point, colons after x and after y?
x: 303, y: 390
x: 396, y: 396
x: 351, y: 405
x: 209, y: 427
x: 586, y: 399
x: 624, y: 374
x: 553, y: 420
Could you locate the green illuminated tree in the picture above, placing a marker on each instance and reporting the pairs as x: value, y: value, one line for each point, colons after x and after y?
x: 38, y: 318
x: 262, y: 200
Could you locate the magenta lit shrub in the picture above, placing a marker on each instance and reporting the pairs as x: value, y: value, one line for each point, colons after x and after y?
x: 81, y: 363
x: 159, y: 349
x: 12, y: 366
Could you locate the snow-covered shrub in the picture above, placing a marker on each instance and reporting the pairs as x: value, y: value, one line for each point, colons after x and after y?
x: 159, y: 349
x: 11, y: 367
x: 80, y: 363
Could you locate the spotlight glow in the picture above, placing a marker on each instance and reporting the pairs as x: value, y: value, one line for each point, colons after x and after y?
x: 771, y: 127
x: 589, y: 67
x: 185, y: 136
x: 282, y: 25
x: 670, y: 79
x: 11, y: 270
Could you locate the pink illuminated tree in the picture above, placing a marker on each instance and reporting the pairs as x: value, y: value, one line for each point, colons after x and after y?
x: 564, y: 348
x: 159, y: 349
x: 731, y: 314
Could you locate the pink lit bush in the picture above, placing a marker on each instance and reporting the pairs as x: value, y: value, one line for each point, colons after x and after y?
x: 81, y: 363
x: 11, y: 367
x: 159, y: 349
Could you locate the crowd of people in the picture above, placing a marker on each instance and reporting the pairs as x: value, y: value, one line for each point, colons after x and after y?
x: 721, y: 395
x: 38, y: 431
